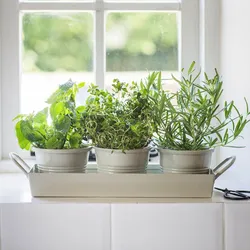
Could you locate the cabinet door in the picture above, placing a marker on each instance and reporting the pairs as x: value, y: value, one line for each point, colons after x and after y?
x: 237, y: 226
x: 55, y: 226
x: 166, y: 226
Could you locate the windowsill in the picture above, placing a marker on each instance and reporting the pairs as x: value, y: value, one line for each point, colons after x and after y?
x: 14, y: 188
x: 8, y: 166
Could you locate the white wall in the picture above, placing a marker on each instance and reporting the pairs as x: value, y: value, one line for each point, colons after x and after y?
x: 235, y: 67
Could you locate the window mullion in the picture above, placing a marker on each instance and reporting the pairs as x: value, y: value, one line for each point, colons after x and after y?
x: 143, y: 6
x: 210, y: 35
x: 189, y: 33
x: 100, y: 55
x: 56, y: 6
x: 98, y: 5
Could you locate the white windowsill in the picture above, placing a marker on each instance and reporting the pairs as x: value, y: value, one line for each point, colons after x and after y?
x: 8, y: 166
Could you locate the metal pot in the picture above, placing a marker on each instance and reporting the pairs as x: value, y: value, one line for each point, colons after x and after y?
x: 185, y: 161
x: 116, y: 161
x: 62, y: 160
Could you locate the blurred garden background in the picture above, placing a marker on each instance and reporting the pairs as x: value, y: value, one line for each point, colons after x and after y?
x: 59, y: 46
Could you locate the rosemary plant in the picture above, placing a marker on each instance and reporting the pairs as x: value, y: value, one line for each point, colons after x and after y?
x: 193, y: 118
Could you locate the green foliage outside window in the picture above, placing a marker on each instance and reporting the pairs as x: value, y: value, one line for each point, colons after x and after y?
x: 134, y: 41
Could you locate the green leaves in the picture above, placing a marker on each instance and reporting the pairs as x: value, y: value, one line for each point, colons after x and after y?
x: 56, y: 109
x: 128, y: 116
x: 66, y: 86
x: 27, y: 135
x: 192, y: 119
x: 124, y: 118
x: 74, y: 140
x: 62, y: 124
x: 65, y: 92
x: 81, y: 85
x: 29, y: 132
x: 80, y: 109
x: 55, y: 127
x: 54, y: 142
x: 41, y: 117
x: 22, y: 141
x: 190, y: 70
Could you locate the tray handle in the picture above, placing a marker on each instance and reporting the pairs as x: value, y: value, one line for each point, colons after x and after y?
x: 20, y: 163
x: 221, y: 168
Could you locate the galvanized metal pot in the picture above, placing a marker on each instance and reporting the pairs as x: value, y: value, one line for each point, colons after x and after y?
x: 62, y: 160
x: 116, y: 161
x: 185, y: 161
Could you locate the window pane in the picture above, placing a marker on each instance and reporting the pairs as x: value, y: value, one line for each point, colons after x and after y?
x: 138, y: 43
x: 56, y: 47
x: 57, y: 0
x: 158, y: 1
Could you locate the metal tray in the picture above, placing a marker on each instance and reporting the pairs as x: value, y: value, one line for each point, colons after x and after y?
x: 152, y: 184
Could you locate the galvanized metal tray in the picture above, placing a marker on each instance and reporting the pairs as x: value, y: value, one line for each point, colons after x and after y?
x: 152, y: 184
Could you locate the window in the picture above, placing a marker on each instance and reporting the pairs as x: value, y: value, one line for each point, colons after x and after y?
x: 138, y: 42
x: 44, y: 43
x: 55, y: 47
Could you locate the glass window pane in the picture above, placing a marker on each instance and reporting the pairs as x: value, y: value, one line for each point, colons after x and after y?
x: 56, y: 47
x: 138, y: 43
x: 147, y: 1
x: 56, y: 0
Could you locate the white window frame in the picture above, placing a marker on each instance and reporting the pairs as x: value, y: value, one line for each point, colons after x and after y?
x: 198, y: 20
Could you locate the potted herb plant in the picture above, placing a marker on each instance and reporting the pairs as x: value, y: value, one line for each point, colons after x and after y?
x: 120, y: 124
x: 56, y: 134
x: 192, y: 122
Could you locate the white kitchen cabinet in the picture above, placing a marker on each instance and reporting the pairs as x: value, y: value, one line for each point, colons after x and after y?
x: 177, y: 226
x: 237, y: 226
x: 55, y: 226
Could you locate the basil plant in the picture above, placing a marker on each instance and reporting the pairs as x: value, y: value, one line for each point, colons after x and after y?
x: 59, y: 125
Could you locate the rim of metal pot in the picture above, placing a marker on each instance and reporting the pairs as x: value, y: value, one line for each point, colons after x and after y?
x: 62, y: 151
x: 130, y: 151
x: 186, y: 152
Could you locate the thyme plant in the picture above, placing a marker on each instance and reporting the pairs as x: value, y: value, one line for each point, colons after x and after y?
x: 193, y: 118
x: 123, y: 118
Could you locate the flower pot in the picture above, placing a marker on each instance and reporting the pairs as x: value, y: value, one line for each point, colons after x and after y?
x: 185, y: 161
x: 115, y: 161
x: 62, y: 160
